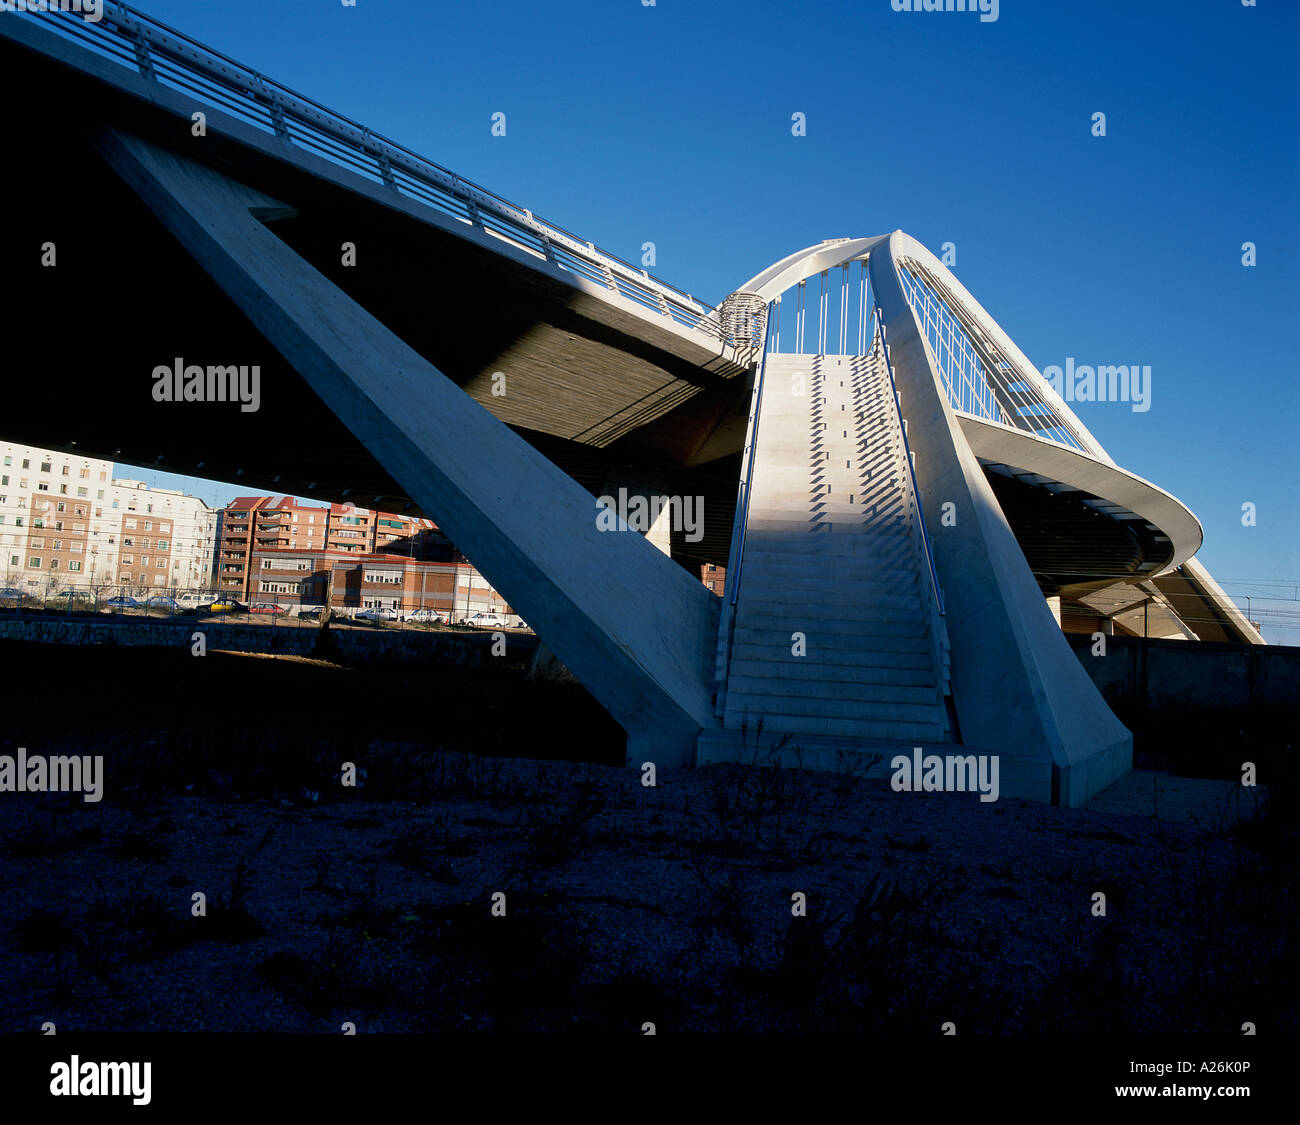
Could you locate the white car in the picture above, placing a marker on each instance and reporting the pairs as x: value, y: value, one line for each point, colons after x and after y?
x: 486, y: 621
x: 427, y: 617
x: 380, y: 614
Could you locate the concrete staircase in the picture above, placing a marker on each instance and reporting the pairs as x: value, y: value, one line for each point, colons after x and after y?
x: 836, y: 636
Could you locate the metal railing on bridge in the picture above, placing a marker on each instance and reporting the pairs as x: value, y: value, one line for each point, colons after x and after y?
x: 164, y: 55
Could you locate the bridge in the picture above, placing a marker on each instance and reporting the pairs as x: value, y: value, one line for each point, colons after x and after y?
x: 899, y: 496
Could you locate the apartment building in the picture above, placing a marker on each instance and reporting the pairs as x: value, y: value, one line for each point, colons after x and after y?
x: 714, y: 577
x: 263, y: 523
x: 47, y: 501
x: 256, y: 530
x: 374, y: 580
x: 162, y: 539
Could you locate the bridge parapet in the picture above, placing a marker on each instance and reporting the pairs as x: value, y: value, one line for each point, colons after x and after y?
x: 162, y: 54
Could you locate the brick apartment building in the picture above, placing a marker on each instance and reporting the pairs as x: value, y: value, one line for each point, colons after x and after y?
x: 714, y: 577
x: 269, y: 549
x: 374, y: 580
x: 66, y: 522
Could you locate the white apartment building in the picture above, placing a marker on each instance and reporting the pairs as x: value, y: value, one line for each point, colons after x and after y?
x: 65, y: 522
x: 47, y: 505
x: 159, y: 538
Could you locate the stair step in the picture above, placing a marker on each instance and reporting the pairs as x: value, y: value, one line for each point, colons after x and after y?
x: 831, y: 602
x: 800, y: 668
x: 795, y: 725
x: 793, y: 568
x: 786, y: 543
x: 908, y: 653
x: 830, y: 692
x: 825, y: 618
x: 885, y: 636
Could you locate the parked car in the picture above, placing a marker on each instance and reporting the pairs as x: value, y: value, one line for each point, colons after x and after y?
x: 227, y: 605
x: 486, y: 621
x: 380, y: 614
x: 67, y: 599
x: 194, y: 601
x: 265, y: 607
x: 120, y: 603
x: 164, y: 602
x: 311, y: 611
x: 427, y: 617
x: 11, y: 596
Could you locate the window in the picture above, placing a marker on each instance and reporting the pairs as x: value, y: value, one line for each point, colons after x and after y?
x: 130, y: 524
x: 66, y: 470
x: 127, y: 560
x: 85, y: 474
x: 60, y: 507
x: 76, y: 548
x: 144, y: 560
x: 81, y: 492
x: 161, y: 564
x: 4, y: 480
x: 34, y: 562
x: 27, y: 462
x: 148, y: 525
x: 75, y: 565
x: 58, y: 544
x: 63, y: 490
x: 45, y: 466
x: 54, y: 564
x: 99, y: 495
x: 38, y: 544
x: 8, y: 460
x: 18, y: 521
x: 114, y: 503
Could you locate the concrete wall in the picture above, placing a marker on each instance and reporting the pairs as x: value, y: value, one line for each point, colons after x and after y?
x: 1159, y: 673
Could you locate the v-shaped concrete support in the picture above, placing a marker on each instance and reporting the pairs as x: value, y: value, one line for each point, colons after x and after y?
x: 630, y: 623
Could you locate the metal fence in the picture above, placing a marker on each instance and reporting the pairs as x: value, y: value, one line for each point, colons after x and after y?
x: 138, y: 603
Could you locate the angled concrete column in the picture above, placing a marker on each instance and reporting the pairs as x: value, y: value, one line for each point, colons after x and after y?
x: 1017, y: 687
x: 652, y: 490
x: 632, y: 625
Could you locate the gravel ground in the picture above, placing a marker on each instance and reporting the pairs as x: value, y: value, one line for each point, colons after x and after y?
x: 626, y: 904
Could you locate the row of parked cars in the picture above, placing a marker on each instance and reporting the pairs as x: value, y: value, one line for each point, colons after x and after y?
x: 200, y: 603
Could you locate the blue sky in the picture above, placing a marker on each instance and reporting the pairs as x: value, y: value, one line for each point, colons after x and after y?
x: 672, y: 124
